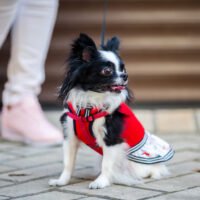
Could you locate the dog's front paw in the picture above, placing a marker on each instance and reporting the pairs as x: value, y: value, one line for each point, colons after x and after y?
x: 99, y: 183
x: 63, y: 180
x: 57, y: 182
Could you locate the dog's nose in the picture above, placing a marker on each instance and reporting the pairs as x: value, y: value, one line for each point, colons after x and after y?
x: 124, y: 76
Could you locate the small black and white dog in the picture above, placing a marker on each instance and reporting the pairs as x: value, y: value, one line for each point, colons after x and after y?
x: 93, y: 93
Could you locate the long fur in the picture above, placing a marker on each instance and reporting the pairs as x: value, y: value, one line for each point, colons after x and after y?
x: 98, y: 78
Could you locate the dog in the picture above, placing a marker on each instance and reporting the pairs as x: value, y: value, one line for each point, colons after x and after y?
x: 93, y: 94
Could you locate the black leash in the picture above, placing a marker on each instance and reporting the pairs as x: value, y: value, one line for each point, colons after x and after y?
x: 103, y: 24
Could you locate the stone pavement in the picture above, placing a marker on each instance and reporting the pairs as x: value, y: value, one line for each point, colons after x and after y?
x: 25, y: 170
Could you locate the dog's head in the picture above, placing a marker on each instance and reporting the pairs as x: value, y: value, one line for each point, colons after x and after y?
x: 95, y: 70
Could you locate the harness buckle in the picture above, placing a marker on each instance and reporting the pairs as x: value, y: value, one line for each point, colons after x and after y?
x: 88, y: 119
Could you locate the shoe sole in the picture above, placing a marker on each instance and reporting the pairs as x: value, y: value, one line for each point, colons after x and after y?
x: 16, y: 137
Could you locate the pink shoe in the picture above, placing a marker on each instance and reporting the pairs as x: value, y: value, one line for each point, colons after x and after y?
x: 26, y: 122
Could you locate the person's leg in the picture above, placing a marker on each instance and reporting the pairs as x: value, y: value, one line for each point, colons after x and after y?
x: 22, y: 117
x: 31, y: 36
x: 7, y: 13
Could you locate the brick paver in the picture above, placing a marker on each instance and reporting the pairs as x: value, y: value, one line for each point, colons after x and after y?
x: 3, y: 198
x: 25, y: 170
x: 178, y: 120
x: 175, y: 183
x: 54, y: 195
x: 115, y: 192
x: 191, y: 194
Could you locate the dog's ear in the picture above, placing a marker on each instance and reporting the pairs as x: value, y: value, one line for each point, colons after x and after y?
x: 85, y: 41
x: 83, y: 48
x: 88, y: 54
x: 112, y: 44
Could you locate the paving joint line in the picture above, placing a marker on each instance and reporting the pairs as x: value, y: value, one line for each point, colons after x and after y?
x: 42, y: 177
x: 5, y: 196
x: 79, y: 198
x: 33, y: 155
x: 8, y: 197
x: 144, y: 198
x: 34, y: 166
x: 40, y: 165
x: 31, y: 194
x: 14, y: 154
x: 7, y: 180
x: 27, y: 181
x: 89, y: 195
x: 11, y: 159
x: 49, y: 176
x: 172, y: 177
x: 172, y: 192
x: 140, y: 187
x: 25, y: 168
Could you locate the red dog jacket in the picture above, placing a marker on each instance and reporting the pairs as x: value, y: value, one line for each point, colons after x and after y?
x: 144, y: 147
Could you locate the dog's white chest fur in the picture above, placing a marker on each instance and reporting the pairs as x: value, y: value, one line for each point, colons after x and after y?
x: 84, y: 99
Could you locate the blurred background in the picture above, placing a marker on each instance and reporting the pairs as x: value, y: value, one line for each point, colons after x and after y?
x: 160, y: 45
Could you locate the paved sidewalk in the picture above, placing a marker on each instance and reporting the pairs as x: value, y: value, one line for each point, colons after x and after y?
x: 25, y: 170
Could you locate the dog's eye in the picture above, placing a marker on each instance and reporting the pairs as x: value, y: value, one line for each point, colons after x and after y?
x: 107, y: 71
x: 110, y: 64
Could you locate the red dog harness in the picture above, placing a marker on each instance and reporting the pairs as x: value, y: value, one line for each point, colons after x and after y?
x: 144, y: 147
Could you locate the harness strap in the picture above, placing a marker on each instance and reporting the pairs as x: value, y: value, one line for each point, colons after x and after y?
x: 89, y: 118
x: 81, y: 123
x: 82, y: 119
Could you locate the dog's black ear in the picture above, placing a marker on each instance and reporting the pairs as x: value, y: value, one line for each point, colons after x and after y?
x: 83, y: 48
x: 85, y: 41
x: 112, y: 44
x: 88, y: 54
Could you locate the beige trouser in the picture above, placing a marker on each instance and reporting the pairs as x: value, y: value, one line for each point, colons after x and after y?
x: 31, y: 22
